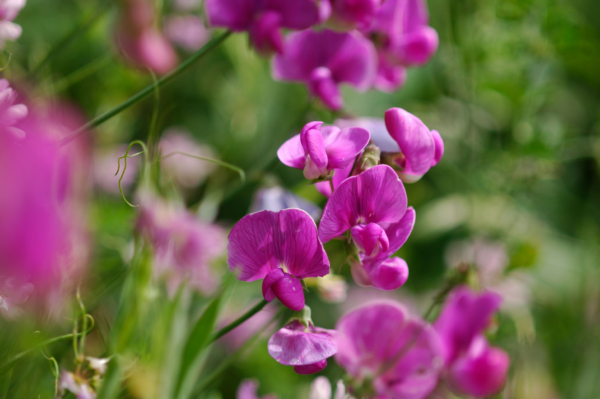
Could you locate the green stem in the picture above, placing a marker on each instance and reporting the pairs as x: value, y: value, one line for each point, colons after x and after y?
x: 184, y: 66
x: 78, y: 31
x: 239, y: 171
x: 236, y: 323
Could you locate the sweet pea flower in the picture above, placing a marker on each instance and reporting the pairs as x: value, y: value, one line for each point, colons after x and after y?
x: 186, y: 31
x: 365, y: 204
x: 383, y: 349
x: 320, y: 388
x: 324, y: 59
x: 13, y: 294
x: 302, y: 345
x: 472, y: 366
x: 248, y: 389
x: 281, y: 248
x: 404, y: 38
x: 263, y: 20
x: 76, y: 385
x: 140, y: 41
x: 11, y: 113
x: 351, y: 14
x: 9, y: 9
x: 420, y: 148
x: 318, y: 150
x: 184, y: 246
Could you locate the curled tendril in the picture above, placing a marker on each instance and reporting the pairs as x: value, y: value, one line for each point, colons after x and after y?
x: 239, y: 171
x: 55, y: 371
x: 8, y: 61
x: 124, y: 157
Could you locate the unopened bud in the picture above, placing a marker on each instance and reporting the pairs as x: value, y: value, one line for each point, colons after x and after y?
x: 370, y: 158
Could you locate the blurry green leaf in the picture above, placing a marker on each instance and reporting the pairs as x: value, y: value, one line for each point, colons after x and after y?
x: 525, y: 255
x: 112, y: 381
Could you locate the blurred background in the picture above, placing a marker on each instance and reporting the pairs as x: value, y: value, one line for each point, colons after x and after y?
x: 514, y: 90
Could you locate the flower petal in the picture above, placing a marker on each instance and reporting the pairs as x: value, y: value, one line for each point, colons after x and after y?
x: 293, y: 345
x: 343, y: 146
x: 439, y: 147
x: 322, y: 85
x: 267, y: 284
x: 292, y: 154
x: 370, y: 238
x: 311, y: 368
x: 233, y: 14
x: 389, y: 275
x: 320, y: 388
x: 289, y: 291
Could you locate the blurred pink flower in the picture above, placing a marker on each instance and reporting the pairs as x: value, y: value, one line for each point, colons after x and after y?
x: 318, y: 150
x: 320, y: 388
x: 106, y: 162
x: 13, y: 294
x: 141, y: 43
x: 351, y: 14
x: 76, y: 385
x: 237, y: 337
x: 9, y: 9
x: 248, y: 389
x: 473, y: 368
x: 187, y: 171
x: 324, y: 59
x: 263, y: 20
x: 303, y: 346
x: 184, y: 246
x: 280, y: 248
x: 381, y: 345
x: 186, y: 31
x: 43, y: 240
x: 10, y: 113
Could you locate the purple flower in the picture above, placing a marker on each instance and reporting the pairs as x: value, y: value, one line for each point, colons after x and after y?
x: 303, y: 346
x: 264, y: 19
x: 339, y: 175
x: 186, y: 31
x: 404, y: 38
x: 365, y: 204
x: 420, y: 147
x: 11, y: 113
x: 319, y: 150
x: 473, y: 368
x: 184, y: 246
x: 324, y: 59
x: 9, y: 9
x: 248, y: 389
x: 140, y: 42
x: 380, y: 344
x: 350, y: 14
x: 281, y: 248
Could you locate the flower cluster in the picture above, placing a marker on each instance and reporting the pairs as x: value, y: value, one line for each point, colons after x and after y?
x: 364, y: 43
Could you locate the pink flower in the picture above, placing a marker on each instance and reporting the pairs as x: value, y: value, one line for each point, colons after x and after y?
x: 141, y: 43
x: 248, y: 389
x: 379, y: 344
x: 319, y: 150
x: 237, y: 337
x: 9, y: 9
x: 365, y: 204
x: 320, y: 388
x: 303, y: 346
x: 473, y: 368
x: 281, y: 248
x: 420, y: 147
x: 76, y: 385
x: 42, y: 238
x: 339, y: 175
x: 350, y: 14
x: 187, y: 171
x: 106, y: 162
x: 404, y: 39
x: 13, y: 294
x: 186, y: 31
x: 184, y: 246
x: 11, y: 113
x: 264, y: 19
x: 324, y: 59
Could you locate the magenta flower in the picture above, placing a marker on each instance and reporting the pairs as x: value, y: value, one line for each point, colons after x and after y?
x: 339, y: 175
x: 379, y: 344
x: 11, y: 113
x: 324, y: 59
x: 365, y: 204
x: 350, y: 14
x: 248, y: 389
x: 420, y: 147
x: 265, y: 19
x: 319, y: 150
x: 404, y: 39
x: 281, y: 248
x: 9, y: 9
x: 473, y: 368
x: 303, y: 346
x: 140, y: 41
x: 184, y: 246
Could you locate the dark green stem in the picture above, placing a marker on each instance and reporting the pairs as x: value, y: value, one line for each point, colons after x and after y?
x: 236, y: 323
x: 184, y: 66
